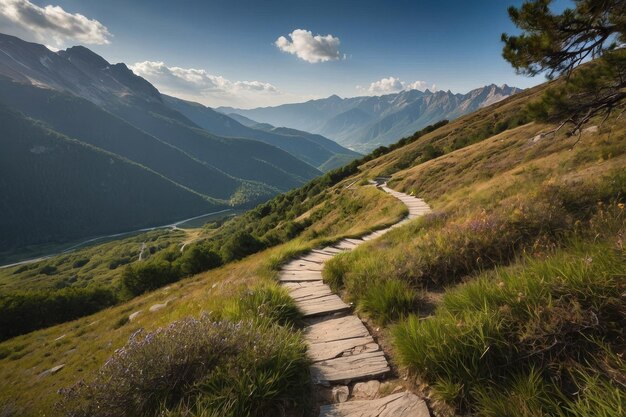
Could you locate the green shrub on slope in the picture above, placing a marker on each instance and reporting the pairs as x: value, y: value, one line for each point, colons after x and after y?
x: 198, y: 367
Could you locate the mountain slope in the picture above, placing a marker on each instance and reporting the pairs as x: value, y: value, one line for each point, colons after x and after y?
x: 364, y: 123
x: 78, y: 94
x: 56, y: 189
x: 313, y: 149
x: 512, y: 307
x: 116, y: 89
x: 79, y: 118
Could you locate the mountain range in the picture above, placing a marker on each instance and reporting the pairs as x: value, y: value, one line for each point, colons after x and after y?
x: 64, y: 113
x: 364, y: 123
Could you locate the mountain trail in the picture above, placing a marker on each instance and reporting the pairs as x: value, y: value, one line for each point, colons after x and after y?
x: 340, y: 346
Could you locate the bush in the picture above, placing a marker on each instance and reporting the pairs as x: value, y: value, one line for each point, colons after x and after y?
x: 24, y: 312
x: 388, y: 301
x: 240, y: 245
x: 48, y: 270
x: 196, y: 259
x: 147, y: 276
x: 198, y: 368
x: 79, y: 263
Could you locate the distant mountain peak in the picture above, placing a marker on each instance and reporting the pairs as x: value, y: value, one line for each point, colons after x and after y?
x: 366, y: 122
x: 86, y: 55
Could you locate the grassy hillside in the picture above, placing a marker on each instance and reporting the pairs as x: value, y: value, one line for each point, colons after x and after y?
x: 507, y: 300
x: 87, y: 342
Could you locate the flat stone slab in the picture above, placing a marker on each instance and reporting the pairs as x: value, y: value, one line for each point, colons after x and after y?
x: 403, y: 404
x: 292, y: 286
x: 329, y: 350
x: 322, y: 305
x: 317, y: 257
x: 296, y: 276
x: 310, y: 292
x: 345, y: 244
x: 327, y: 250
x: 344, y: 369
x: 349, y: 327
x: 302, y: 265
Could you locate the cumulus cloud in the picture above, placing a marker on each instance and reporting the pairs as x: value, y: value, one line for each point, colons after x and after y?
x: 199, y: 85
x: 310, y: 48
x: 50, y: 24
x: 393, y: 85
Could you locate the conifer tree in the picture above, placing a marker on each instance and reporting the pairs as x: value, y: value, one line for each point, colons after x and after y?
x: 556, y: 44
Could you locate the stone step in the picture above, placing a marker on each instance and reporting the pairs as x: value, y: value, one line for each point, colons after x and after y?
x: 329, y: 330
x: 327, y: 250
x: 403, y: 404
x: 302, y: 264
x: 329, y: 350
x: 292, y: 286
x: 298, y: 276
x: 346, y: 369
x: 345, y: 245
x: 316, y: 257
x: 310, y: 292
x: 322, y: 305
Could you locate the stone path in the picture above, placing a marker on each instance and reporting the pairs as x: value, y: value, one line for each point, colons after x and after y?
x: 340, y: 346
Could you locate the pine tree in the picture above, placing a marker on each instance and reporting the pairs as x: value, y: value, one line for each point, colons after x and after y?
x: 556, y: 44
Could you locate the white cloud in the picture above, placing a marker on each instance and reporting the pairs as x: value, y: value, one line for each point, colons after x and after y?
x: 310, y: 48
x: 393, y: 85
x: 50, y: 24
x: 199, y: 85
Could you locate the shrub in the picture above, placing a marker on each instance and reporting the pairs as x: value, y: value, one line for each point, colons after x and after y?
x: 196, y: 259
x: 23, y: 312
x: 147, y: 276
x: 388, y: 301
x: 239, y: 245
x: 198, y: 367
x: 48, y: 270
x: 79, y: 263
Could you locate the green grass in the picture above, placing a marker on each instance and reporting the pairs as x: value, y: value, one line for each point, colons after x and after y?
x: 542, y: 314
x: 501, y: 246
x: 265, y: 302
x: 97, y: 265
x: 242, y: 288
x: 388, y: 301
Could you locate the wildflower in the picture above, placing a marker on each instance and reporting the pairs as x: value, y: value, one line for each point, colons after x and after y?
x: 621, y: 206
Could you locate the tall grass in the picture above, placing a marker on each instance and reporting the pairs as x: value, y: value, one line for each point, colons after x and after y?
x: 504, y: 325
x: 265, y: 302
x: 388, y: 301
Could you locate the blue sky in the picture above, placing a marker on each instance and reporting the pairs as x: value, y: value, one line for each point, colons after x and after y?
x: 226, y: 52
